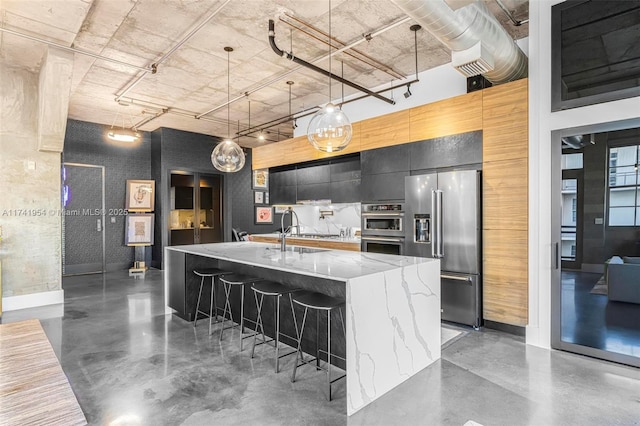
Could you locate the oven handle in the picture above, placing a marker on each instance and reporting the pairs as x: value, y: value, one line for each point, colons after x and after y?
x: 388, y: 240
x: 382, y: 214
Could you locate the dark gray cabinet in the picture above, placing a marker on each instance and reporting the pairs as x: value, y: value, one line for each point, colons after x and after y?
x: 449, y: 151
x: 383, y: 187
x: 385, y: 160
x: 337, y: 179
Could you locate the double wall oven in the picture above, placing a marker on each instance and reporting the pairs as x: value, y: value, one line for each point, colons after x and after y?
x: 383, y: 228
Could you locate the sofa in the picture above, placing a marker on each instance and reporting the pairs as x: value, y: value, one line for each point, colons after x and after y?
x: 623, y: 279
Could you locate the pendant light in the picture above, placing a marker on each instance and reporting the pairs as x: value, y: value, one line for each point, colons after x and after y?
x: 122, y: 134
x: 329, y: 129
x: 228, y: 156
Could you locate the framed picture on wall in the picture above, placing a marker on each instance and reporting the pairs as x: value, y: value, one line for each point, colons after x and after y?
x: 139, y: 229
x: 258, y: 197
x: 260, y: 179
x: 264, y: 215
x: 140, y: 195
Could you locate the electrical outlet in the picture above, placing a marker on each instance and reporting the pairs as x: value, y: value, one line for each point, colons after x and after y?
x: 599, y: 221
x: 113, y: 219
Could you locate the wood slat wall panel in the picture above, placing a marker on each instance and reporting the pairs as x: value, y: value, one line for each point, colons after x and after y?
x: 505, y: 194
x: 452, y: 116
x: 505, y: 219
x: 505, y: 276
x: 505, y: 117
x: 385, y: 130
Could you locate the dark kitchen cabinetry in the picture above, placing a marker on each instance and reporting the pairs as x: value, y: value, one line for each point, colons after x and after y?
x: 282, y: 186
x: 448, y: 151
x: 383, y: 173
x: 196, y: 208
x: 337, y: 179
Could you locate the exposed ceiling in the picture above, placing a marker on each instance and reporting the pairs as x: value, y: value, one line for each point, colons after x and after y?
x: 192, y: 80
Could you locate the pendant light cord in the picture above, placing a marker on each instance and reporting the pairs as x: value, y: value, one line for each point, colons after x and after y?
x: 330, y: 46
x: 228, y: 96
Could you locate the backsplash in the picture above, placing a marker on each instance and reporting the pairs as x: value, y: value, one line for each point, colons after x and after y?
x: 345, y: 215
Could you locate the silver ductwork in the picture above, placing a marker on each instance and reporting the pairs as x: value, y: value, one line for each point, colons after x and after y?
x: 479, y: 44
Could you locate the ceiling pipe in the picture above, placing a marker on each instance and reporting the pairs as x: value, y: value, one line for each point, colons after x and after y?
x: 75, y: 50
x: 164, y: 57
x: 465, y: 28
x: 509, y: 14
x: 312, y: 110
x: 290, y: 56
x: 357, y: 55
x: 365, y: 37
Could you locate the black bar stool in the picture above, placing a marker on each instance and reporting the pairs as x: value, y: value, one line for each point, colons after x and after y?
x: 228, y: 281
x: 276, y: 290
x: 206, y: 273
x: 318, y: 302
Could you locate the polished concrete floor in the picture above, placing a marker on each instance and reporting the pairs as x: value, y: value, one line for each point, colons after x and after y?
x: 129, y: 363
x: 593, y: 320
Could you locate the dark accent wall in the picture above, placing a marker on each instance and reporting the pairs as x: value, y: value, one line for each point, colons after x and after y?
x: 86, y: 143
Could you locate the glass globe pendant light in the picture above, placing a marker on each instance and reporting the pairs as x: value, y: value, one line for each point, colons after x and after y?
x: 228, y: 156
x: 329, y: 130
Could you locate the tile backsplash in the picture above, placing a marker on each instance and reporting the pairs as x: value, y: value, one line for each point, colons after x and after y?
x: 327, y: 219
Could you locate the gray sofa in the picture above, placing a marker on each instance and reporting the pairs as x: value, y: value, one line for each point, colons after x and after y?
x: 623, y: 279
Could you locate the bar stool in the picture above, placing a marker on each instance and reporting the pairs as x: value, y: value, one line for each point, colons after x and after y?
x: 228, y: 281
x: 206, y: 273
x: 276, y: 290
x: 318, y: 302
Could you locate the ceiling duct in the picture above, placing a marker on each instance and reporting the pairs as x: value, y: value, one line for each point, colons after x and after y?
x: 479, y: 44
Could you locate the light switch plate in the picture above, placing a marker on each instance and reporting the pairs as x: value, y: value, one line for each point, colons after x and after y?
x: 599, y: 221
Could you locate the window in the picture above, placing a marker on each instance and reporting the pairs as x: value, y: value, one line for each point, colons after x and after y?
x: 572, y: 161
x: 574, y: 210
x: 624, y: 202
x: 573, y: 250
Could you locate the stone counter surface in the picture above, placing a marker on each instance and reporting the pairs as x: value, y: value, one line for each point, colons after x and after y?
x: 332, y: 264
x: 392, y: 307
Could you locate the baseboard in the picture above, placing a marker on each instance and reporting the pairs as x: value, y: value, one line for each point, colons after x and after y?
x: 119, y: 266
x: 507, y: 328
x: 33, y: 300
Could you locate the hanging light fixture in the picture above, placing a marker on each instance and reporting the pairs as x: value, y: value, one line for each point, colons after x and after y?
x: 122, y: 134
x: 228, y: 156
x: 329, y: 129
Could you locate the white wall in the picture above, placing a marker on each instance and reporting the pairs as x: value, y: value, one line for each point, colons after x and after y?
x: 542, y: 122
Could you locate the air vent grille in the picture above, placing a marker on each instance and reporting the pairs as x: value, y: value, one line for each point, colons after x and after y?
x: 473, y: 61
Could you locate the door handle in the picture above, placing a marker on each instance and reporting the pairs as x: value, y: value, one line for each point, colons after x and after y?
x: 556, y: 255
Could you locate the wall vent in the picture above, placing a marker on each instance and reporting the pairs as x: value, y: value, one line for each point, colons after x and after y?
x: 473, y: 61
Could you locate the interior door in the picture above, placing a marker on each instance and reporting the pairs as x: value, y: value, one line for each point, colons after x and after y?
x: 83, y: 230
x: 209, y: 221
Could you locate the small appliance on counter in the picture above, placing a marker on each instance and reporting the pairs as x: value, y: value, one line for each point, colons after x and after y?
x: 444, y: 222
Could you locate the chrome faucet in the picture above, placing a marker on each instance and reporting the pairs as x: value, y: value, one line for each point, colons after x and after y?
x: 283, y: 235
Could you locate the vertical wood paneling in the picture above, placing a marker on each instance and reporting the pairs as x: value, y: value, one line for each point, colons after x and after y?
x: 505, y: 203
x: 452, y: 116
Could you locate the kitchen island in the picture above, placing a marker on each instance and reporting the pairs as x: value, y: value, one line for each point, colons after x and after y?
x: 392, y: 310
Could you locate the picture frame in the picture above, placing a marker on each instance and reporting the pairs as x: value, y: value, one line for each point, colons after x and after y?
x: 258, y: 197
x: 260, y: 179
x: 264, y: 215
x: 139, y: 229
x: 140, y: 196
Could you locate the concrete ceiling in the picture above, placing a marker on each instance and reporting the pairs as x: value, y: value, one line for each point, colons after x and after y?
x: 193, y: 79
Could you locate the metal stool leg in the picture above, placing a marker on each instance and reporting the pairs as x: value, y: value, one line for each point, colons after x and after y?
x: 212, y: 302
x: 241, y: 315
x: 328, y: 351
x: 299, y: 350
x: 227, y: 304
x: 277, y: 299
x: 195, y: 321
x: 258, y: 323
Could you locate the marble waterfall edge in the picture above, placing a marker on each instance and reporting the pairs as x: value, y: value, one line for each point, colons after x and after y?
x: 393, y: 329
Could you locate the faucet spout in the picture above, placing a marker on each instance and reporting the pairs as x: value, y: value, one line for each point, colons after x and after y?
x: 284, y: 232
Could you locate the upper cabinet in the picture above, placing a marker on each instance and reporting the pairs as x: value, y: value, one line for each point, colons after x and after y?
x: 448, y: 151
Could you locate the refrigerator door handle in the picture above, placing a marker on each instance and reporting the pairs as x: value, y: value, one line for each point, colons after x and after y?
x: 434, y: 233
x: 437, y: 211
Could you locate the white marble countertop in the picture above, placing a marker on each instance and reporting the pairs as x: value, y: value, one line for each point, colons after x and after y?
x: 354, y: 240
x: 337, y: 265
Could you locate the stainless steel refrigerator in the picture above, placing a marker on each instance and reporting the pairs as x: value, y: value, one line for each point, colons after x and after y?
x: 443, y: 214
